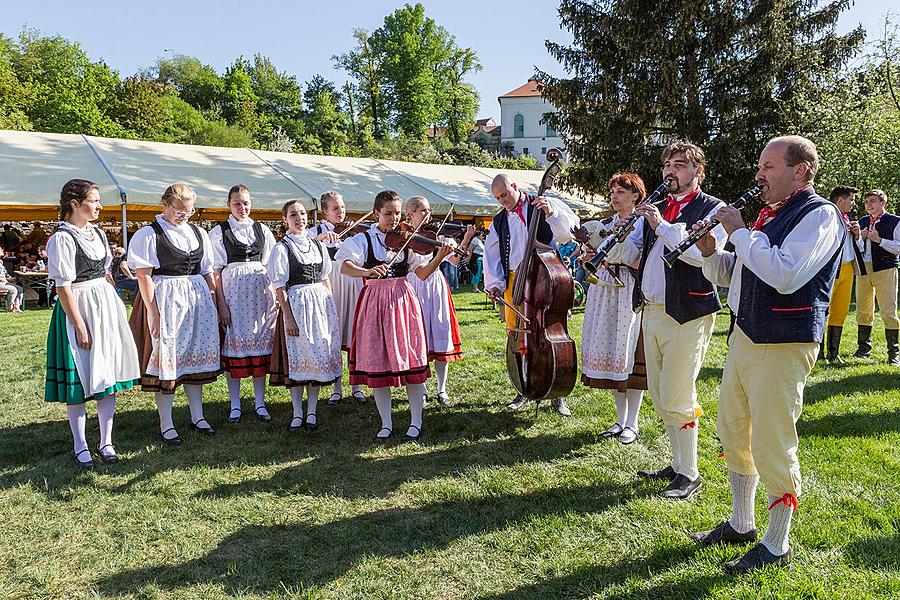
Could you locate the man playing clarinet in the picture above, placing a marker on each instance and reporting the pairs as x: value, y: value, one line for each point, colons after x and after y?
x: 780, y: 279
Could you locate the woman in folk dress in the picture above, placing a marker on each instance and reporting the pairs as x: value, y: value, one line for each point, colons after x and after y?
x: 441, y: 325
x: 345, y: 289
x: 174, y: 320
x: 388, y: 347
x: 612, y: 353
x: 307, y: 353
x: 246, y: 300
x: 90, y: 352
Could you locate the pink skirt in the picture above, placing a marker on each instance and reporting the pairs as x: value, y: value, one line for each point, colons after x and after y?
x: 388, y: 344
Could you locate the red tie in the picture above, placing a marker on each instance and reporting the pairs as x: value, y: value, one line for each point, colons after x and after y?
x: 673, y: 208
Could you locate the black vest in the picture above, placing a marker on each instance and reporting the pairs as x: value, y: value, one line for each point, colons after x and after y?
x: 237, y: 251
x: 399, y: 269
x: 302, y: 273
x: 86, y: 268
x: 689, y: 295
x: 173, y: 261
x: 881, y: 258
x: 768, y: 317
x: 332, y: 250
x: 501, y: 226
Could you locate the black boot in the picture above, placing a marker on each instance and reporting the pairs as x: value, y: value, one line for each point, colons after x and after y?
x: 834, y: 344
x: 863, y: 341
x: 821, y: 356
x: 892, y: 347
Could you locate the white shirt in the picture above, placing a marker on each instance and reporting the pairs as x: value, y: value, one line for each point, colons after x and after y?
x: 307, y: 251
x: 356, y: 248
x: 142, y: 249
x: 653, y: 282
x: 243, y: 231
x: 892, y: 246
x: 477, y: 246
x: 805, y: 250
x: 561, y: 223
x: 61, y: 252
x: 326, y: 226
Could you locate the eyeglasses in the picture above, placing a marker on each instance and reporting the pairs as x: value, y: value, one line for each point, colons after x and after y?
x: 182, y: 214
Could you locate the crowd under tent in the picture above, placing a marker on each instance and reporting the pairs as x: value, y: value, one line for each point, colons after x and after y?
x: 133, y: 174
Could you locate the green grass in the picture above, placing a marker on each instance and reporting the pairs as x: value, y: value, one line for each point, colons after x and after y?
x: 490, y: 505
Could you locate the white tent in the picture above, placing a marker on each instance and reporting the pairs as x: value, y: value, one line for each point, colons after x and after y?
x: 33, y: 167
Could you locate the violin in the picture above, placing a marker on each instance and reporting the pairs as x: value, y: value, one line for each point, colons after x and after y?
x: 424, y: 242
x: 540, y: 355
x: 453, y: 229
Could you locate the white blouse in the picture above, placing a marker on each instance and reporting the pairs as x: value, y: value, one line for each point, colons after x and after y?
x: 142, y: 249
x: 61, y: 251
x: 356, y: 248
x: 322, y: 227
x: 306, y: 250
x: 243, y: 231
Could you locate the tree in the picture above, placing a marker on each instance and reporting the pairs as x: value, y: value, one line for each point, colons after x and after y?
x: 457, y: 100
x: 141, y: 111
x: 14, y: 95
x: 365, y: 65
x: 327, y: 124
x: 197, y: 83
x: 239, y: 100
x: 727, y: 75
x: 279, y: 101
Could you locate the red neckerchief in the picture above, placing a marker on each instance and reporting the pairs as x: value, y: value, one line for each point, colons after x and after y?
x: 674, y: 207
x: 519, y: 210
x: 846, y: 218
x: 873, y: 221
x: 768, y: 212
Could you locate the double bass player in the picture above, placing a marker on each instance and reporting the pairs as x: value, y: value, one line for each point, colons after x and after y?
x: 506, y: 243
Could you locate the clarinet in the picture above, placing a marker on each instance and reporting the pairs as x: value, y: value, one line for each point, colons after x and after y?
x: 593, y: 265
x: 670, y: 257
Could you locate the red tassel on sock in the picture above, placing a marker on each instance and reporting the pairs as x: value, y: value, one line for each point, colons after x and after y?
x: 692, y: 424
x: 787, y: 500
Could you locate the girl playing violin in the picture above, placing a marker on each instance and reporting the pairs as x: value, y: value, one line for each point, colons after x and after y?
x: 441, y: 326
x: 344, y: 288
x: 388, y: 347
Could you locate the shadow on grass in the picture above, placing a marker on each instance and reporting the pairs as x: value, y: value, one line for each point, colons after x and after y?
x: 877, y: 552
x: 861, y: 383
x: 861, y: 424
x: 330, y: 460
x: 265, y: 558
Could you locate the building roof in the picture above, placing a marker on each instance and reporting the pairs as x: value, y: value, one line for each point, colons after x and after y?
x: 485, y: 122
x: 532, y: 88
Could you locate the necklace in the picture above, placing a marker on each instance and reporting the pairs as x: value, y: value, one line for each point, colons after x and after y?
x: 302, y: 241
x: 86, y: 233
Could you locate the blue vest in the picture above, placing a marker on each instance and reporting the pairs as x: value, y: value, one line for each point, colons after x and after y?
x: 501, y: 226
x: 768, y: 317
x: 689, y: 295
x: 881, y: 258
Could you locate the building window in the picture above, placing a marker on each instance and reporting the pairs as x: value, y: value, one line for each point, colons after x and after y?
x: 550, y: 131
x: 544, y: 151
x: 545, y: 120
x: 525, y: 151
x: 518, y: 126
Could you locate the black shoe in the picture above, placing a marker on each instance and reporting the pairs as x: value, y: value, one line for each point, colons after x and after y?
x: 383, y: 440
x: 264, y: 417
x: 518, y: 403
x: 359, y: 396
x: 723, y: 534
x: 334, y: 398
x: 292, y: 428
x: 667, y: 474
x: 234, y: 418
x: 84, y: 465
x: 444, y: 399
x: 109, y: 459
x: 893, y: 346
x: 413, y: 438
x: 311, y: 426
x: 208, y: 430
x: 174, y: 441
x: 834, y: 344
x: 863, y: 341
x: 612, y: 432
x: 756, y: 558
x: 681, y: 488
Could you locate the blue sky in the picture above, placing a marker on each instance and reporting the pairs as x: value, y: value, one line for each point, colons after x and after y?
x: 301, y: 36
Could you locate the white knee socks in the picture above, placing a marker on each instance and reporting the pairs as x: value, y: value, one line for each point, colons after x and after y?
x: 686, y: 449
x: 672, y: 434
x: 259, y: 395
x: 634, y: 408
x: 312, y: 401
x: 383, y: 404
x: 440, y: 371
x: 194, y: 395
x: 621, y: 408
x: 106, y: 409
x: 416, y: 394
x: 77, y: 418
x: 164, y: 408
x: 776, y: 537
x: 743, y: 492
x: 234, y: 391
x: 297, y: 401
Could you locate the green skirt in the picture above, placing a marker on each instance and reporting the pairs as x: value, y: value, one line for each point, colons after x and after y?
x: 62, y: 383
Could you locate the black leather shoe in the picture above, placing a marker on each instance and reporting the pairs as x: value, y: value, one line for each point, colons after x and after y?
x: 311, y: 426
x: 234, y: 416
x: 681, y: 488
x: 109, y: 459
x: 413, y: 438
x: 265, y: 417
x: 292, y: 428
x: 84, y: 465
x: 208, y: 430
x: 444, y: 399
x: 173, y: 441
x: 756, y: 558
x: 383, y: 440
x: 667, y: 474
x: 723, y: 534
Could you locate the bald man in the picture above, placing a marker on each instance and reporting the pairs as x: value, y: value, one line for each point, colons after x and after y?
x: 504, y: 247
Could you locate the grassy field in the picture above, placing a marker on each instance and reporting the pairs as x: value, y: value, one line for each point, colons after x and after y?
x: 490, y: 505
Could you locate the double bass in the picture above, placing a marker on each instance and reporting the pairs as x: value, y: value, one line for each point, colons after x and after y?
x: 540, y: 355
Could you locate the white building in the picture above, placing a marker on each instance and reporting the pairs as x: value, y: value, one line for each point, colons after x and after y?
x: 522, y: 122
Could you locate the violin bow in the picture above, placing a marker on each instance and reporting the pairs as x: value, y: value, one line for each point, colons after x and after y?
x: 403, y: 247
x: 354, y: 224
